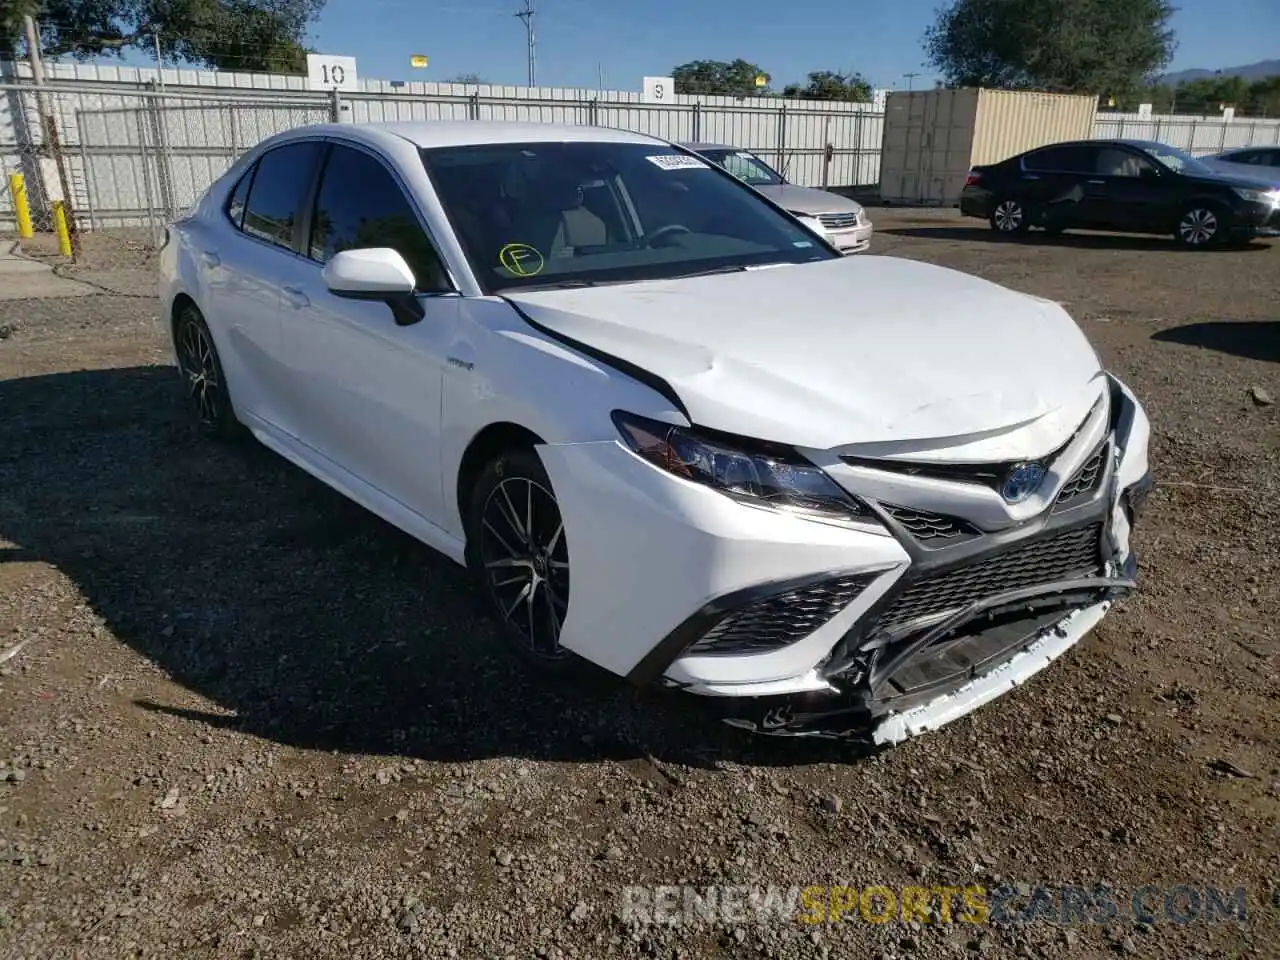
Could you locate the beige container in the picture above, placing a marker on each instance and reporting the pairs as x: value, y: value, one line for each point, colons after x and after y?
x: 933, y: 137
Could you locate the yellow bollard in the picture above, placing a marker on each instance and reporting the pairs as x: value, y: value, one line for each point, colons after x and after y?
x: 21, y: 208
x: 60, y: 227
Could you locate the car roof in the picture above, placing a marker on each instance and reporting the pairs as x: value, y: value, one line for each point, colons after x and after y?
x: 460, y: 133
x: 699, y: 147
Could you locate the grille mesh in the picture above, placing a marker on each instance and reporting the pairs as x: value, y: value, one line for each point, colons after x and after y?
x: 781, y: 619
x: 1074, y: 553
x: 838, y: 221
x: 1084, y: 482
x: 932, y: 529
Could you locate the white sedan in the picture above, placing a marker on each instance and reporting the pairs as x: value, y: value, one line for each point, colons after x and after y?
x: 671, y: 431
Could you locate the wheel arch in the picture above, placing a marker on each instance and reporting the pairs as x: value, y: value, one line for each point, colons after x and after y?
x: 490, y: 441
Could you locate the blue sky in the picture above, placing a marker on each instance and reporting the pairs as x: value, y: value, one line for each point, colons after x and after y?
x: 629, y: 40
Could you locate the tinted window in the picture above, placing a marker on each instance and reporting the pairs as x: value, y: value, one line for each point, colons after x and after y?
x: 282, y: 180
x: 361, y: 205
x: 1062, y: 160
x: 1245, y: 156
x: 534, y: 214
x: 235, y: 206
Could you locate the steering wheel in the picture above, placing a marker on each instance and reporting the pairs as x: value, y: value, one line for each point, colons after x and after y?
x: 670, y: 230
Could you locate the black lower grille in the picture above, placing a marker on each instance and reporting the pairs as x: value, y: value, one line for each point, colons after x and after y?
x: 781, y: 619
x: 1074, y: 553
x: 933, y: 530
x: 1082, y: 484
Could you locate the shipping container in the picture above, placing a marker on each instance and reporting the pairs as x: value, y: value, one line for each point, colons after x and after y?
x: 933, y: 137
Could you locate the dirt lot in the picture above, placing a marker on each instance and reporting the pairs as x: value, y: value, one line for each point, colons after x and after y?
x: 247, y: 719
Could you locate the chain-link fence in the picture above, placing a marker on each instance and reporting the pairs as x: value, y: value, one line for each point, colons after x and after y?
x: 92, y: 175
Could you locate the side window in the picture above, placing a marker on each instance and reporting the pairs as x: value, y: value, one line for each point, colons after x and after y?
x: 361, y: 205
x: 235, y: 206
x: 738, y: 166
x: 1060, y: 160
x: 1114, y: 162
x: 1273, y: 158
x: 279, y: 186
x: 1245, y: 156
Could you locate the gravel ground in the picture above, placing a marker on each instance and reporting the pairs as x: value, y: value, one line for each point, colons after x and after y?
x: 247, y: 719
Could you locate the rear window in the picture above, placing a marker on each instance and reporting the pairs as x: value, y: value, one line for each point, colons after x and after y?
x: 281, y: 181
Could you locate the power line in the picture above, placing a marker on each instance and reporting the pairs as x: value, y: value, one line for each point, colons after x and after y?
x: 526, y: 14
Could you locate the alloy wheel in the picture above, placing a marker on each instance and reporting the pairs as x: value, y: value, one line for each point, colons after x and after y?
x: 526, y: 562
x: 200, y: 370
x: 1008, y: 216
x: 1198, y: 227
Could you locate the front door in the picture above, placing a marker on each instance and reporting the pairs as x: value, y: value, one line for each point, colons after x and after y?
x: 1132, y: 192
x: 365, y: 391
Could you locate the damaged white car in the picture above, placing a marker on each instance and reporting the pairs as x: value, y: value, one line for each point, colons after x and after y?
x: 671, y: 431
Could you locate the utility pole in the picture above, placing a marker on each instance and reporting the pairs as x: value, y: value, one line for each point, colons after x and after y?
x: 52, y: 141
x: 910, y: 77
x: 526, y: 14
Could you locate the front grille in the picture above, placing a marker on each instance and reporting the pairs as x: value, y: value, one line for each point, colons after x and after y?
x: 1082, y: 484
x: 838, y: 221
x: 932, y: 530
x: 1074, y: 553
x: 780, y: 619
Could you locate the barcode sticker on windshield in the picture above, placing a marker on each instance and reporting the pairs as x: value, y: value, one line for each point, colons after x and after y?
x: 676, y: 161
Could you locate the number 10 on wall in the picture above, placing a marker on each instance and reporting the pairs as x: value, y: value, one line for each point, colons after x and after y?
x: 326, y: 72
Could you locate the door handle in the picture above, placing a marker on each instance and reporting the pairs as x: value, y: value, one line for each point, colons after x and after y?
x: 1029, y: 176
x: 210, y: 258
x: 296, y: 297
x: 1101, y: 183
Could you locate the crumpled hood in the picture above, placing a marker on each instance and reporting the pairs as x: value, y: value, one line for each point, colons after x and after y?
x: 851, y: 351
x: 808, y: 200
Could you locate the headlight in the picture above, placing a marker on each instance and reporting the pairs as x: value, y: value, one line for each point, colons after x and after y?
x: 1258, y: 196
x: 760, y: 474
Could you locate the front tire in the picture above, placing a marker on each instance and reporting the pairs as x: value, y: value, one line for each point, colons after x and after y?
x: 1202, y: 226
x: 517, y: 549
x: 202, y: 374
x: 1010, y: 218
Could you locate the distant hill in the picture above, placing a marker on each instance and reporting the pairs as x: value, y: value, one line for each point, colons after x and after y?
x: 1250, y: 71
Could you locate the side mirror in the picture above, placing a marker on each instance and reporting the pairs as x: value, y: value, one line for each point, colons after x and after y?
x: 377, y: 273
x: 1148, y: 173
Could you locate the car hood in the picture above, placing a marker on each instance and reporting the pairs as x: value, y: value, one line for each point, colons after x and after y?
x: 807, y: 200
x: 1243, y: 175
x: 838, y: 352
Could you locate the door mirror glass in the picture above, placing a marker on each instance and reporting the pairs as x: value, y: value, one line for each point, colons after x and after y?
x: 376, y: 273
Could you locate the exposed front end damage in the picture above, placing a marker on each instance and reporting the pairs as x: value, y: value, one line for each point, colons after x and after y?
x: 978, y: 611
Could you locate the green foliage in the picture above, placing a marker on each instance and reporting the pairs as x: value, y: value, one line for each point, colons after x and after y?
x: 830, y: 85
x: 1068, y: 46
x: 258, y: 35
x: 716, y: 77
x: 1257, y: 98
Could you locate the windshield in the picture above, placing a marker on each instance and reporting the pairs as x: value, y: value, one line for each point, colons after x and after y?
x: 582, y: 213
x: 1179, y: 161
x: 747, y: 167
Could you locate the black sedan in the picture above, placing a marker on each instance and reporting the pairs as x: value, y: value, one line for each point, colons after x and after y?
x: 1129, y: 186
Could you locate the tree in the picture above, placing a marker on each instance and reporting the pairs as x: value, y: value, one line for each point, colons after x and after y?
x: 1065, y: 46
x: 257, y: 35
x: 470, y: 79
x: 830, y: 85
x: 715, y: 77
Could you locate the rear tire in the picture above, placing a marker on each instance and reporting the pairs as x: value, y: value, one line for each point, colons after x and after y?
x: 517, y: 550
x: 1202, y: 226
x: 1010, y: 218
x: 202, y: 375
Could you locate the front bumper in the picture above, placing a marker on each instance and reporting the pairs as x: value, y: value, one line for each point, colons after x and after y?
x: 869, y: 632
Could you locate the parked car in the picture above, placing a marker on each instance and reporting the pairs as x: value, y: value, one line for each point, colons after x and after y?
x: 1131, y: 186
x: 669, y: 430
x: 1256, y: 157
x: 843, y: 221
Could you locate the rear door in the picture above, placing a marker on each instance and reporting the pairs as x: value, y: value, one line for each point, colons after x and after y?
x: 243, y: 267
x: 1052, y: 181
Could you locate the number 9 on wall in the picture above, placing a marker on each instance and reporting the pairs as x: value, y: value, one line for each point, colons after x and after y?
x: 657, y: 90
x: 327, y: 72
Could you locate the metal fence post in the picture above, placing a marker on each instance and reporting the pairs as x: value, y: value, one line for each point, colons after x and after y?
x: 697, y: 122
x: 782, y: 140
x: 335, y: 106
x: 473, y: 106
x: 84, y: 167
x: 163, y: 176
x: 593, y: 112
x: 146, y: 179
